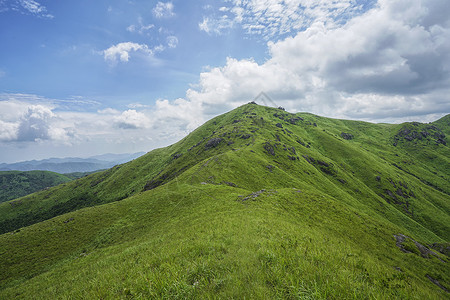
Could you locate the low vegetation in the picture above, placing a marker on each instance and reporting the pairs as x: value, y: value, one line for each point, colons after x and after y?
x: 16, y: 184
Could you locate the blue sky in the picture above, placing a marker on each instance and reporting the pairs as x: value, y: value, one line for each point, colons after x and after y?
x: 81, y: 78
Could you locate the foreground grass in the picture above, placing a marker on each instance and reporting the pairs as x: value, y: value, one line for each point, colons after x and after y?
x: 184, y: 241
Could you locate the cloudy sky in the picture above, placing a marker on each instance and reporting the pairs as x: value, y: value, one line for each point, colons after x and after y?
x: 81, y: 78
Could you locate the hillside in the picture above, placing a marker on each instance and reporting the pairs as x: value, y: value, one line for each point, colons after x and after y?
x: 15, y: 184
x: 255, y: 203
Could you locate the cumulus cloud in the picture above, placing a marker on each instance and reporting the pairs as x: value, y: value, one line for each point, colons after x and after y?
x: 8, y: 131
x: 392, y: 61
x: 132, y: 119
x: 122, y: 51
x: 35, y: 124
x: 163, y: 10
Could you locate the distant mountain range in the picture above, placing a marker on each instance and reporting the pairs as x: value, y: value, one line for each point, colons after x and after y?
x: 72, y: 164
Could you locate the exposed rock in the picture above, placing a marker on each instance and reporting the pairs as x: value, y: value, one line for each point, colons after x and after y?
x: 441, y: 141
x: 270, y: 167
x: 322, y: 163
x: 279, y: 125
x: 309, y: 159
x: 400, y: 239
x: 69, y: 220
x: 229, y: 183
x: 255, y: 195
x: 443, y: 248
x: 436, y: 282
x: 378, y: 178
x: 246, y: 136
x: 346, y: 136
x: 279, y: 116
x: 178, y: 155
x: 292, y: 149
x: 212, y: 143
x: 295, y: 120
x: 269, y: 148
x: 415, y: 133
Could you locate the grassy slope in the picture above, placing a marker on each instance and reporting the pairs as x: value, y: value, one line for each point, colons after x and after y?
x: 15, y: 184
x: 322, y: 228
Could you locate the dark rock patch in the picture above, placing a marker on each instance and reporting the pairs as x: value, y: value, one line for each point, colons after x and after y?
x: 269, y: 148
x: 322, y: 163
x: 436, y: 282
x: 401, y: 240
x: 309, y: 159
x: 346, y: 136
x: 294, y: 121
x: 255, y: 195
x: 279, y: 125
x: 443, y: 248
x: 270, y: 167
x: 212, y: 143
x: 300, y: 142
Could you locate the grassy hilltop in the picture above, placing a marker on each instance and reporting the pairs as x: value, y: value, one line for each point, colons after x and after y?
x: 256, y: 203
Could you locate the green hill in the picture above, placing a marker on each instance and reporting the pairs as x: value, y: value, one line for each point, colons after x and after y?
x: 15, y: 184
x: 256, y: 203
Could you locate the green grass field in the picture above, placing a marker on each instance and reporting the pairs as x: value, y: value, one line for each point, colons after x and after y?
x: 257, y: 203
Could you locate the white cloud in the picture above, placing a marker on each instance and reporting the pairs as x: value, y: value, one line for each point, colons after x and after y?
x: 108, y: 111
x: 8, y: 131
x: 272, y: 18
x: 216, y: 25
x: 35, y: 8
x: 163, y: 10
x: 390, y: 63
x: 140, y: 28
x: 172, y: 41
x: 122, y: 51
x: 29, y: 123
x: 132, y: 119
